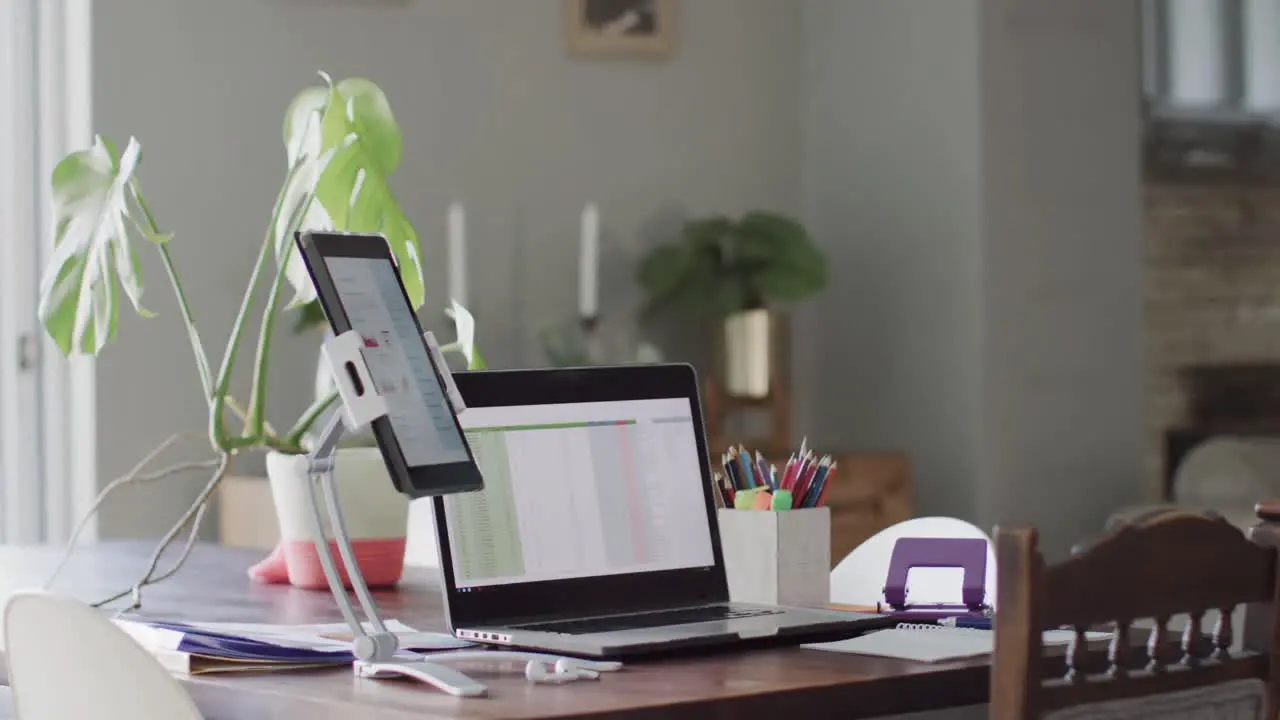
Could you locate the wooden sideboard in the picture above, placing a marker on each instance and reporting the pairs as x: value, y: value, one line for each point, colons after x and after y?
x: 871, y: 492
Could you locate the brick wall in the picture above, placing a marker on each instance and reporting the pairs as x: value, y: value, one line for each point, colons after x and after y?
x: 1212, y: 293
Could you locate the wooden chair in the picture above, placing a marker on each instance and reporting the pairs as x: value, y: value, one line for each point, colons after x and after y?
x: 1159, y: 566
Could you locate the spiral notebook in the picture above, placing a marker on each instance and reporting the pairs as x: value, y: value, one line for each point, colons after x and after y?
x: 933, y: 643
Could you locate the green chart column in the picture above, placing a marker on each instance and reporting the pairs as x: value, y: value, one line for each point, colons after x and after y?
x: 484, y: 523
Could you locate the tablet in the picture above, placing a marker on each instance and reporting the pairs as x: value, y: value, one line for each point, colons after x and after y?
x: 359, y: 288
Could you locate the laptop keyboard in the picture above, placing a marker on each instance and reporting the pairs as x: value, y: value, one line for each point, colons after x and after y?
x: 661, y: 618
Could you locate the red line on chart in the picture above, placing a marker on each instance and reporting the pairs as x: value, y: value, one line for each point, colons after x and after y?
x: 634, y: 511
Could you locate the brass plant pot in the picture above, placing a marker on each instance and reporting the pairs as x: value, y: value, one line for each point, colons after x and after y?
x: 748, y: 353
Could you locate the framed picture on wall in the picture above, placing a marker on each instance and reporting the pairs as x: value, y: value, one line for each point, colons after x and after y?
x: 620, y: 28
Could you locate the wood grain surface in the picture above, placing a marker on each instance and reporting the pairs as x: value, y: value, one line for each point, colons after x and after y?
x: 213, y: 586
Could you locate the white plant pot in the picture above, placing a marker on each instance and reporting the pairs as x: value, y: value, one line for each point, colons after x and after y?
x: 748, y: 353
x: 376, y: 516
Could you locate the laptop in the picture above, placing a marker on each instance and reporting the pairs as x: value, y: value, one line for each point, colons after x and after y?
x: 595, y: 534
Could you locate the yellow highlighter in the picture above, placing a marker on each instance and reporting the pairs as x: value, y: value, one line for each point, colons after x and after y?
x: 744, y: 499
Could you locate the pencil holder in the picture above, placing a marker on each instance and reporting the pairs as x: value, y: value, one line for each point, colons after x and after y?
x: 777, y: 558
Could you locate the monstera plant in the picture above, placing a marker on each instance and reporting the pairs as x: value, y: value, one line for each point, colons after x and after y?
x: 342, y: 146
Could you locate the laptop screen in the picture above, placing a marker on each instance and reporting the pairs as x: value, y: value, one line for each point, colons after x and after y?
x: 579, y: 490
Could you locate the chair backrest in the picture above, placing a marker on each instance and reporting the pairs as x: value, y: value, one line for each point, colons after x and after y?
x: 66, y: 660
x: 859, y: 578
x: 1159, y: 566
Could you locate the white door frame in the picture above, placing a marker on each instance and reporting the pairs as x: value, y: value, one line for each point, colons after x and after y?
x: 48, y: 455
x: 21, y: 485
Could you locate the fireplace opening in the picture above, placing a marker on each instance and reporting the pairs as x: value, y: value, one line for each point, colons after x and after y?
x: 1233, y: 410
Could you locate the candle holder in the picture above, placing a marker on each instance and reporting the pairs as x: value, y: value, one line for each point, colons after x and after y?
x: 593, y: 343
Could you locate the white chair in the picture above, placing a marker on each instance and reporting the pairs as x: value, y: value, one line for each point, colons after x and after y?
x: 859, y: 578
x: 67, y: 661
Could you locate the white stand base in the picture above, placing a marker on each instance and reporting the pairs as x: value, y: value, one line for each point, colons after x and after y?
x: 434, y: 669
x: 438, y: 676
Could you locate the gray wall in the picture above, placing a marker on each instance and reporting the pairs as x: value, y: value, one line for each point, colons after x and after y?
x: 893, y: 190
x: 971, y: 172
x: 972, y: 169
x: 494, y: 113
x: 1063, y: 278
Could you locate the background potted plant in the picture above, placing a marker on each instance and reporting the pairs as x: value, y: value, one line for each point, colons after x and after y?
x: 342, y: 146
x: 736, y: 272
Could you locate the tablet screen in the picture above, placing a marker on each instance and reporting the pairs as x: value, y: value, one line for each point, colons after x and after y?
x: 397, y: 357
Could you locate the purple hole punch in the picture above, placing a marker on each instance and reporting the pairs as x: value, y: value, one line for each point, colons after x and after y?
x: 970, y: 554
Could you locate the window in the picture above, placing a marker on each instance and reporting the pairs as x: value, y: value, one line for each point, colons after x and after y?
x: 47, y: 456
x: 1211, y: 81
x: 1212, y: 56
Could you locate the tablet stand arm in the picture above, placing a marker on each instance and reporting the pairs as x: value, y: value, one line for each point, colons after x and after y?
x: 361, y: 405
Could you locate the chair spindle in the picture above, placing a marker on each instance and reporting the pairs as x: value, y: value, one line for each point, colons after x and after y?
x: 1222, y: 636
x: 1119, y: 652
x: 1192, y: 640
x: 1076, y: 654
x: 1155, y: 645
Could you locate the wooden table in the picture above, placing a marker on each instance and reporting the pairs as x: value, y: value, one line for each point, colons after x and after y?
x: 213, y: 586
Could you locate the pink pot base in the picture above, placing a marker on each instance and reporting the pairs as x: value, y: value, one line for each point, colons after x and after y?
x: 381, y: 562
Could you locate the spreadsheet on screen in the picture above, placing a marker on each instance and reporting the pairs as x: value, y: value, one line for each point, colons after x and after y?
x: 580, y: 490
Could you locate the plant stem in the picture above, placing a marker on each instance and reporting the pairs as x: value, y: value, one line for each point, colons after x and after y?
x: 308, y: 418
x: 243, y: 416
x: 257, y: 397
x: 217, y: 423
x: 193, y: 334
x: 193, y: 516
x: 133, y: 476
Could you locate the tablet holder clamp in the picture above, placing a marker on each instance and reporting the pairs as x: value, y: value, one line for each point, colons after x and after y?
x: 376, y: 650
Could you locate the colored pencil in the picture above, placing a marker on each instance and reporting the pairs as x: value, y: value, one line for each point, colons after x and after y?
x: 815, y: 487
x: 744, y: 464
x: 806, y: 480
x: 826, y: 483
x: 785, y: 482
x: 762, y: 471
x: 735, y: 478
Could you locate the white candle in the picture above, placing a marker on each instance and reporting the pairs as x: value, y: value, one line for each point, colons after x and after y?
x: 457, y: 254
x: 588, y: 260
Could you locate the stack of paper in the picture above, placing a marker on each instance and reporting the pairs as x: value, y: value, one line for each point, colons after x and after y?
x: 933, y: 643
x: 195, y: 648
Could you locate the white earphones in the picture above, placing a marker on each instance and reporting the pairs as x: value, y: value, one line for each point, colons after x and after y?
x: 564, y: 671
x: 436, y: 670
x: 565, y: 665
